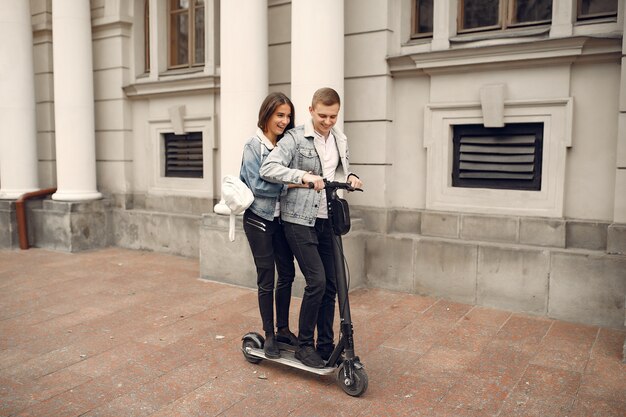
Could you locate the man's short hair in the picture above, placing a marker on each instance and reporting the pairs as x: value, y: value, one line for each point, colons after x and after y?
x: 326, y: 96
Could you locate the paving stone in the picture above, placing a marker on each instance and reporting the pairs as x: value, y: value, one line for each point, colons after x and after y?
x: 566, y: 346
x: 486, y: 316
x: 10, y: 357
x: 597, y: 408
x: 524, y: 331
x: 480, y: 394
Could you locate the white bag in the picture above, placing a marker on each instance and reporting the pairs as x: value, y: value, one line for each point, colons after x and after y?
x: 237, y: 197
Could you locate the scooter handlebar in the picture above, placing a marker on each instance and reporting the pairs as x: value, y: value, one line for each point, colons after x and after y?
x: 336, y: 185
x: 340, y: 185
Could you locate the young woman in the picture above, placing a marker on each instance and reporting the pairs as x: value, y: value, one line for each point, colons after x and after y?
x: 263, y: 227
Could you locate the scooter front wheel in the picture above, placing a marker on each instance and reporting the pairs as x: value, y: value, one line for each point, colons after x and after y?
x: 359, y: 383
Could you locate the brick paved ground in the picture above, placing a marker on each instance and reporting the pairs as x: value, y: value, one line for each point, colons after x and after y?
x: 127, y: 333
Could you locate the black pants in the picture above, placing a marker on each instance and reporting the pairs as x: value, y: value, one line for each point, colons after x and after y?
x: 269, y: 249
x: 312, y: 247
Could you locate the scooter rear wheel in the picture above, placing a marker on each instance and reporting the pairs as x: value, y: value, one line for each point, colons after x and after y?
x: 358, y: 386
x: 250, y: 343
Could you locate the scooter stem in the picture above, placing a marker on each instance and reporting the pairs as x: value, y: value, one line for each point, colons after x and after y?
x: 342, y: 298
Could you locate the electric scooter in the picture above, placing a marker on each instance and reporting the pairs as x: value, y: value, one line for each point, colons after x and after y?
x: 350, y: 372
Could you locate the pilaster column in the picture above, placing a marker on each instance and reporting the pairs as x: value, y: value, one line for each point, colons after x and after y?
x: 616, y: 238
x: 18, y: 141
x: 617, y: 231
x: 563, y: 15
x: 317, y: 51
x: 73, y: 101
x: 243, y: 78
x: 619, y: 214
x: 444, y: 23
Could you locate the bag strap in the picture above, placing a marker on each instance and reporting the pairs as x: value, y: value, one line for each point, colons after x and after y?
x: 231, y: 228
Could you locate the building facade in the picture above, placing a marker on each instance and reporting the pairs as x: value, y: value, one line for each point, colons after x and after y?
x: 491, y: 136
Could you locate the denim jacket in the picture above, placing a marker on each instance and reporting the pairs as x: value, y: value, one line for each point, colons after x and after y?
x: 293, y: 157
x: 255, y: 151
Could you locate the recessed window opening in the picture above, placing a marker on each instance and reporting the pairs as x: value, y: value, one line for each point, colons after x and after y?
x: 593, y: 9
x: 483, y: 15
x: 186, y: 33
x: 183, y: 155
x: 503, y: 158
x: 422, y: 19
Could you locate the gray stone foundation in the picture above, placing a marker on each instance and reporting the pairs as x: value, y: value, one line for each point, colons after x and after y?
x: 565, y: 269
x: 231, y: 262
x: 8, y: 225
x: 173, y: 233
x: 513, y: 263
x: 159, y: 223
x: 616, y: 239
x: 69, y: 226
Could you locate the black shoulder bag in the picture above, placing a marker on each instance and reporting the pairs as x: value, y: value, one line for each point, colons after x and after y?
x: 340, y: 215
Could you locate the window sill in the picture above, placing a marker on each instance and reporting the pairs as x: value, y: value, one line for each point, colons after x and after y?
x: 501, y: 34
x: 596, y: 21
x: 175, y: 72
x: 176, y: 81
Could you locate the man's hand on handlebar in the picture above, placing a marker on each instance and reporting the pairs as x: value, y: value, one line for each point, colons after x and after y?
x: 355, y: 182
x: 318, y: 182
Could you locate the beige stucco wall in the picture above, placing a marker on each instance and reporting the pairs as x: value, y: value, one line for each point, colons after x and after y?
x: 590, y: 175
x: 590, y: 161
x: 383, y: 113
x: 407, y: 185
x: 153, y: 113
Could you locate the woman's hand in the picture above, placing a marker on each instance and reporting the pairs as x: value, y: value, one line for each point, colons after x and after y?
x: 318, y: 182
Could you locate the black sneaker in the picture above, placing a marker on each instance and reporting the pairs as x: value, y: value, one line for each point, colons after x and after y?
x: 270, y: 349
x: 324, y: 353
x: 309, y: 357
x: 285, y: 336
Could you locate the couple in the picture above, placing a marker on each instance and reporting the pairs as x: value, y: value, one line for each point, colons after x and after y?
x: 287, y: 218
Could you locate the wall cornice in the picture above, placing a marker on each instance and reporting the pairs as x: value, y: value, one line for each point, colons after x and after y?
x: 196, y: 84
x: 496, y: 52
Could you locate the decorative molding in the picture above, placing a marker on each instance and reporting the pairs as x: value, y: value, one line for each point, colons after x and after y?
x: 440, y: 118
x: 492, y: 103
x: 177, y: 113
x: 199, y: 187
x: 519, y: 52
x: 166, y: 85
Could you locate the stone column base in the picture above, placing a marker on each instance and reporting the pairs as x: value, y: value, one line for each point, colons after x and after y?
x: 8, y: 225
x: 616, y: 239
x: 69, y: 226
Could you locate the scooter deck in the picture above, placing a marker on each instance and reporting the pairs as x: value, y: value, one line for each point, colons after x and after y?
x: 288, y: 358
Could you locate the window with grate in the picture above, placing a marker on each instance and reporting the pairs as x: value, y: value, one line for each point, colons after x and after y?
x: 593, y: 9
x: 503, y: 158
x: 481, y: 15
x: 183, y: 155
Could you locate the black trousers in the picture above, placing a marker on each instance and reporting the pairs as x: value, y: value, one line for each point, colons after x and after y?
x: 312, y: 247
x: 270, y: 250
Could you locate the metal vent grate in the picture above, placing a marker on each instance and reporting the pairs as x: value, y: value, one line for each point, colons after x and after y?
x: 183, y: 155
x: 508, y: 157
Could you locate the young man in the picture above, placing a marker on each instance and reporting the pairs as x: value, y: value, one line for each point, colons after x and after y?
x: 309, y: 154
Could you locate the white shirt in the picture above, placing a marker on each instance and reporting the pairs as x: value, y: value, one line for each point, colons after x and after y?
x: 266, y: 143
x: 329, y: 156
